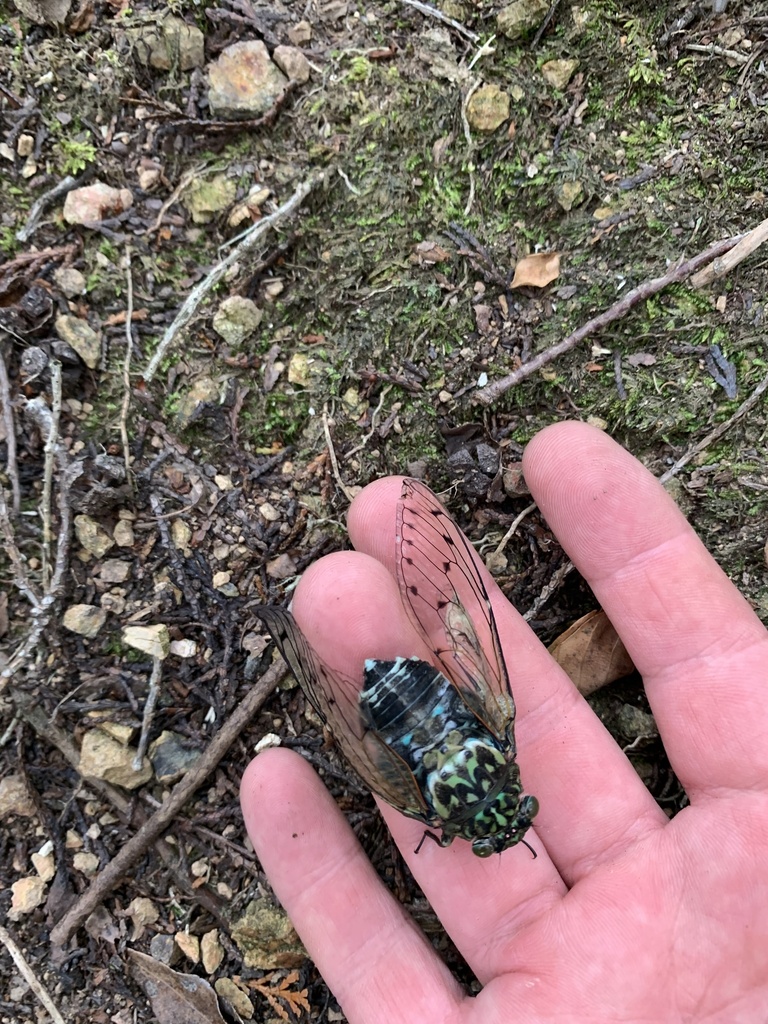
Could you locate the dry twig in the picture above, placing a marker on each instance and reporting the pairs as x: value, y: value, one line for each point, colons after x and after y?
x: 723, y: 264
x: 51, y: 443
x: 713, y: 435
x: 489, y: 394
x: 127, y: 367
x: 163, y: 818
x: 30, y: 977
x: 252, y: 238
x: 433, y: 12
x: 11, y: 468
x: 332, y: 454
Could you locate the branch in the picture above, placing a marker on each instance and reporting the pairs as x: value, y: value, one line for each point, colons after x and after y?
x: 619, y: 309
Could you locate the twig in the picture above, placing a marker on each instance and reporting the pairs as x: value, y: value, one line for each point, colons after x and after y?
x: 149, y: 712
x: 433, y: 12
x: 619, y: 309
x: 51, y: 443
x: 332, y: 454
x: 20, y: 577
x: 384, y: 392
x: 30, y: 977
x: 127, y: 368
x: 154, y: 827
x: 513, y: 528
x: 186, y: 180
x: 11, y: 468
x: 713, y: 435
x: 544, y: 25
x: 557, y: 579
x: 720, y: 266
x: 718, y: 51
x: 48, y: 199
x: 621, y: 391
x: 42, y: 609
x: 252, y: 238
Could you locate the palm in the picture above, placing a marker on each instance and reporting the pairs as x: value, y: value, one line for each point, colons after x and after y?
x: 623, y: 915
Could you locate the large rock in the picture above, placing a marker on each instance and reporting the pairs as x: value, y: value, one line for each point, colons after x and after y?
x: 244, y: 82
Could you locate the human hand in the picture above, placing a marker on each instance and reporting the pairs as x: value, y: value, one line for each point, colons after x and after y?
x: 624, y: 915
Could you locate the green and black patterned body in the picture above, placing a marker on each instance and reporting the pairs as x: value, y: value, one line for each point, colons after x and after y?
x: 470, y: 783
x: 434, y: 740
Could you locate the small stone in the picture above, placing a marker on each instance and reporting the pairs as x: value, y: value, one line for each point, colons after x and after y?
x: 244, y: 82
x: 221, y: 578
x: 208, y: 196
x: 118, y: 731
x: 445, y: 397
x: 172, y: 756
x: 211, y: 951
x: 15, y: 798
x: 153, y: 640
x: 101, y: 757
x: 558, y: 73
x: 25, y: 145
x: 269, y: 512
x: 569, y: 194
x: 113, y: 602
x: 266, y: 937
x: 44, y: 865
x: 224, y: 483
x: 292, y: 63
x: 142, y: 912
x: 298, y: 369
x: 183, y: 648
x: 181, y: 534
x: 488, y: 108
x: 301, y: 33
x: 84, y: 619
x: 236, y: 319
x: 203, y: 392
x: 597, y: 421
x: 239, y: 1001
x: 521, y: 17
x: 80, y: 336
x: 189, y: 946
x: 92, y: 536
x: 170, y: 44
x: 113, y: 570
x: 354, y: 403
x: 123, y: 534
x: 70, y: 281
x: 163, y: 949
x: 27, y: 894
x: 93, y: 203
x: 282, y: 568
x: 87, y: 863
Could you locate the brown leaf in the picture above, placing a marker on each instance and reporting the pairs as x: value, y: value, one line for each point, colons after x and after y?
x: 537, y: 271
x: 591, y: 652
x: 175, y: 998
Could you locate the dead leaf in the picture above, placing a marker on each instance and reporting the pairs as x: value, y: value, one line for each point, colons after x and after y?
x: 592, y: 653
x: 641, y: 359
x: 427, y: 253
x: 175, y: 998
x: 537, y: 270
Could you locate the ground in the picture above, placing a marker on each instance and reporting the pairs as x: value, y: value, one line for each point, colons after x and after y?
x: 148, y: 514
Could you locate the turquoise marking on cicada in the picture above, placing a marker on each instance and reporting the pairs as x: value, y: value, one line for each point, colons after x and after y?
x: 437, y: 744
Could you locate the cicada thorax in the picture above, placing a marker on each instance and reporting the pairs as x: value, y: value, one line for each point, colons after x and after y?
x: 469, y: 782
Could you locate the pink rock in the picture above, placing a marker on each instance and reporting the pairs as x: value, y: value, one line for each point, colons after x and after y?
x: 94, y: 203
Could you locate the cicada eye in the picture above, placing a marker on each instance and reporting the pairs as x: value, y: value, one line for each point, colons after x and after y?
x: 483, y: 847
x: 529, y: 808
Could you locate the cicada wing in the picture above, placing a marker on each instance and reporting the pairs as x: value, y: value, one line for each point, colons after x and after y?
x: 448, y: 603
x: 335, y: 697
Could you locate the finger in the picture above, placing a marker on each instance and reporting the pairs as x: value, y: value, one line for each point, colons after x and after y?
x: 475, y: 899
x: 592, y: 802
x: 700, y: 648
x: 377, y: 963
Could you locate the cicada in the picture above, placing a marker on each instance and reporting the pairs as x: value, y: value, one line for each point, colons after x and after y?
x: 436, y: 741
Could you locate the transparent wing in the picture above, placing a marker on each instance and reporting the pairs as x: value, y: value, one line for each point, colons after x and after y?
x: 448, y: 603
x: 335, y: 697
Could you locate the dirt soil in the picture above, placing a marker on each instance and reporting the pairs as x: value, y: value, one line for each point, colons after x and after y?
x: 150, y: 506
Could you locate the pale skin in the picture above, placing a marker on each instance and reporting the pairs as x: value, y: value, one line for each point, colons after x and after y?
x: 624, y: 916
